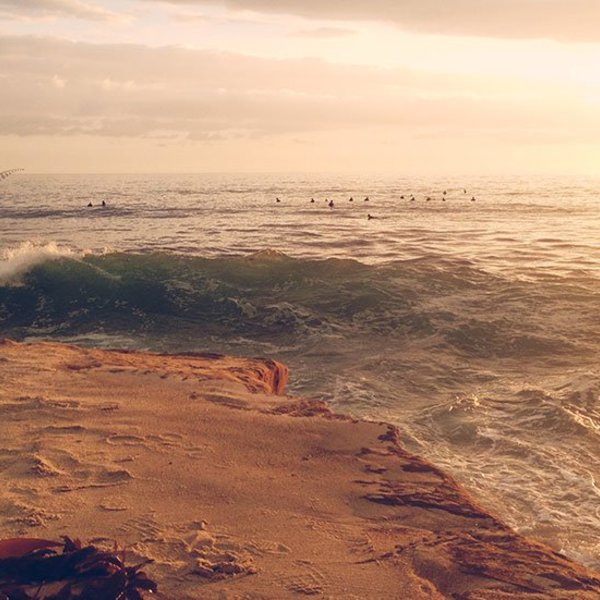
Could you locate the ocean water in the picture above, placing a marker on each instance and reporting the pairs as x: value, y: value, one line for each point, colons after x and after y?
x: 472, y: 325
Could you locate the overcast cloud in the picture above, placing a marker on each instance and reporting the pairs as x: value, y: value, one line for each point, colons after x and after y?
x: 64, y: 88
x: 469, y: 102
x: 56, y: 8
x: 563, y: 20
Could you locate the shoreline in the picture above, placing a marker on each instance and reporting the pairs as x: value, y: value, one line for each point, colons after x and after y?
x: 202, y: 464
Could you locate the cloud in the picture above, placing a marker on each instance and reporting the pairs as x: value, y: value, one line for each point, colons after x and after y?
x: 567, y: 21
x: 190, y: 18
x: 57, y: 88
x: 79, y: 9
x: 325, y: 32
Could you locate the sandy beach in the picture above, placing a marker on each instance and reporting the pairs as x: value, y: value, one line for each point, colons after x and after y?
x: 235, y: 490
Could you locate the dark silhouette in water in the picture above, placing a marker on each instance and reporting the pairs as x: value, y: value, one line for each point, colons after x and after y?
x: 351, y: 199
x: 331, y: 204
x: 369, y: 217
x: 277, y: 200
x: 312, y: 200
x: 90, y: 204
x: 367, y: 199
x: 444, y: 192
x: 473, y: 199
x: 103, y: 203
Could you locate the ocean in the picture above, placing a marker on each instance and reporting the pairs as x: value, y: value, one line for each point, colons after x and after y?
x: 471, y: 320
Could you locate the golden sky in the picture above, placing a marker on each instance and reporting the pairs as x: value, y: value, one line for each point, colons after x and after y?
x: 404, y: 86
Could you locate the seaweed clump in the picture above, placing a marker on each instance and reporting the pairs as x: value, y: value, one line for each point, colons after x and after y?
x: 31, y: 569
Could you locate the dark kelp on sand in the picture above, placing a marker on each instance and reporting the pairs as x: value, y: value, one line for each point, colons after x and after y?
x: 31, y: 569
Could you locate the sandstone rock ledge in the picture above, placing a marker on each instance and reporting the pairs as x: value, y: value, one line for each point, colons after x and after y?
x: 234, y: 492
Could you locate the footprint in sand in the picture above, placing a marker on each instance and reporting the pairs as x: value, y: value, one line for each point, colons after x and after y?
x: 168, y: 440
x: 126, y: 440
x: 79, y: 473
x: 155, y: 442
x: 113, y: 507
x: 219, y: 557
x: 19, y: 515
x: 144, y: 526
x: 310, y: 581
x: 362, y: 547
x: 42, y: 467
x: 229, y: 401
x: 265, y: 547
x: 192, y: 550
x: 66, y: 429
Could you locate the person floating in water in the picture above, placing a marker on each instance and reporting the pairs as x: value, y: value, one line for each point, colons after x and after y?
x: 331, y: 204
x: 369, y: 217
x: 367, y: 199
x: 473, y: 199
x: 103, y: 203
x: 312, y: 200
x: 277, y: 200
x: 90, y: 205
x: 351, y: 199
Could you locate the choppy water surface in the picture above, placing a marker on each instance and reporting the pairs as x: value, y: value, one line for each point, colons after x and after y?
x: 475, y: 326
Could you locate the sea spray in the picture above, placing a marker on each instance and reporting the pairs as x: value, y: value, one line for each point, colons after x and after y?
x: 15, y: 262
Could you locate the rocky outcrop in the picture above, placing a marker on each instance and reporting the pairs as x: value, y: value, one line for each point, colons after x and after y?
x: 193, y: 462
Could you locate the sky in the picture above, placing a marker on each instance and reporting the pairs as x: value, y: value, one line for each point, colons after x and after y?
x: 410, y: 87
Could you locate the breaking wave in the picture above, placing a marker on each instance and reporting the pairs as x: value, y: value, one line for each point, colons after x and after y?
x: 16, y: 262
x: 447, y: 304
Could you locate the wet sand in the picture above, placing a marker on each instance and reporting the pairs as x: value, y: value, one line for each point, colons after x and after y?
x: 235, y: 490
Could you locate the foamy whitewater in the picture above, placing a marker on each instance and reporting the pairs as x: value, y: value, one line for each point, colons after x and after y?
x: 473, y: 325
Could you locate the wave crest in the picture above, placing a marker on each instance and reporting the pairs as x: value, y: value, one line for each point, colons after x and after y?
x: 16, y: 262
x: 441, y: 308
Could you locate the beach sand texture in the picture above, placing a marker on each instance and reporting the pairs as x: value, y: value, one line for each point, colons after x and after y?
x: 235, y: 490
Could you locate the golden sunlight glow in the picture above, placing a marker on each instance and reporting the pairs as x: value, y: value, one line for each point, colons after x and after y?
x: 200, y: 86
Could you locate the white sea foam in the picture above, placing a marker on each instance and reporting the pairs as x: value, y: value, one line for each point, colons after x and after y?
x: 16, y: 262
